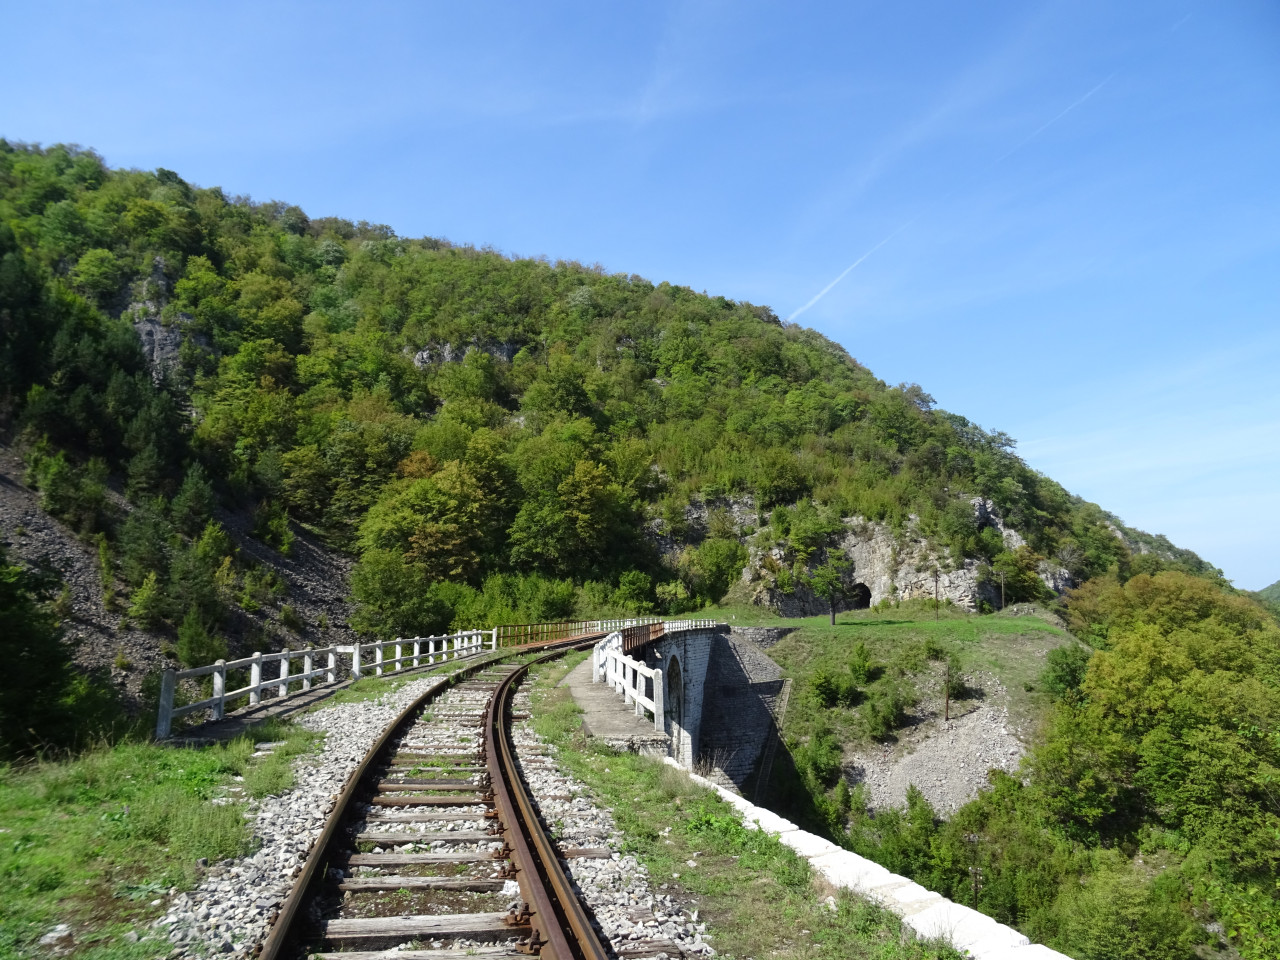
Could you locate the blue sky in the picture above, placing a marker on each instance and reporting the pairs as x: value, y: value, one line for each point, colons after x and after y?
x: 1071, y: 209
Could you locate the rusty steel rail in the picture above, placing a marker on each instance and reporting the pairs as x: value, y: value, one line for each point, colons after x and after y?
x: 561, y: 928
x: 287, y: 932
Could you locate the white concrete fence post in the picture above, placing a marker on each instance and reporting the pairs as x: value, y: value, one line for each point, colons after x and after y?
x: 255, y: 679
x: 219, y: 689
x: 355, y: 661
x: 164, y: 716
x: 377, y: 659
x: 659, y: 705
x: 282, y: 688
x: 331, y: 674
x: 417, y: 649
x: 399, y: 651
x: 308, y: 663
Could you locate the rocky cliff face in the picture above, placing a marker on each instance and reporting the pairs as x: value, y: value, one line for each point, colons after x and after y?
x: 161, y: 340
x: 885, y: 566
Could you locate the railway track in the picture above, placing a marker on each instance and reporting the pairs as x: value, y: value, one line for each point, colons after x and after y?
x: 436, y: 841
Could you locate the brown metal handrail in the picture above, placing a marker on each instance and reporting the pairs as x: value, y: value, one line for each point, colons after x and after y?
x: 517, y: 634
x: 633, y: 638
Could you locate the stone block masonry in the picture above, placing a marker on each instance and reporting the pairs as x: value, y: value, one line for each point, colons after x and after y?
x: 928, y: 914
x: 742, y: 689
x: 683, y: 657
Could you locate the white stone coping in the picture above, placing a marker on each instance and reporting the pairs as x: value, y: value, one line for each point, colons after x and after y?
x: 927, y: 913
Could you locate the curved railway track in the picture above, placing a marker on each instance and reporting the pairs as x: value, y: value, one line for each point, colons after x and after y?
x: 436, y: 839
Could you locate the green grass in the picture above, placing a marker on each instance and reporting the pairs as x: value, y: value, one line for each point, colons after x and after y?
x: 742, y: 615
x: 93, y: 841
x: 900, y: 642
x: 758, y: 898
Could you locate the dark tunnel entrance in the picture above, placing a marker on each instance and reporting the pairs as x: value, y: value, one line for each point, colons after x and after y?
x: 859, y: 597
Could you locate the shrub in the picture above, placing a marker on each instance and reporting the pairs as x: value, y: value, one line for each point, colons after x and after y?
x: 148, y: 603
x: 885, y: 707
x: 197, y: 646
x: 1115, y: 916
x: 290, y: 618
x: 716, y: 565
x: 75, y: 495
x: 834, y: 688
x: 1066, y: 669
x: 819, y: 760
x: 271, y: 526
x: 860, y: 664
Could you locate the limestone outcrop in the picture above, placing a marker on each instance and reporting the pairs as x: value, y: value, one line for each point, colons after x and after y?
x: 888, y: 566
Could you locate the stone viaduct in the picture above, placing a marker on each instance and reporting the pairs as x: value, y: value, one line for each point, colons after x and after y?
x: 709, y: 696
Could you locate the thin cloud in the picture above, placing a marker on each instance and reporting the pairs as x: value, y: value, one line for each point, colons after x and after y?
x: 1046, y: 126
x: 847, y: 270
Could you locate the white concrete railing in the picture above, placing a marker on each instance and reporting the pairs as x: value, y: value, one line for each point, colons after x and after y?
x: 437, y: 649
x: 448, y: 647
x: 626, y: 676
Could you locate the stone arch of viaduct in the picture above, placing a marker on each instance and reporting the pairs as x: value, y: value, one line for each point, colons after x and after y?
x: 720, y: 694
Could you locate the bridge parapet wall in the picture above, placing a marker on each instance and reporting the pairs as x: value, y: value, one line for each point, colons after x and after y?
x: 683, y: 656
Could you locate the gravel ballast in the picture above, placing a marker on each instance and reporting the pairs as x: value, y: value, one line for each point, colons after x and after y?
x: 231, y: 910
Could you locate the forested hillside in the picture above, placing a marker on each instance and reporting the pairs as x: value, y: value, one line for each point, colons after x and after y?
x: 496, y: 440
x: 493, y: 437
x: 1271, y: 595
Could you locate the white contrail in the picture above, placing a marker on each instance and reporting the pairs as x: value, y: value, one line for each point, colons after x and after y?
x: 845, y: 272
x: 1046, y: 126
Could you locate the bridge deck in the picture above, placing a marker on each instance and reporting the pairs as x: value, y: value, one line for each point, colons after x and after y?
x: 607, y: 717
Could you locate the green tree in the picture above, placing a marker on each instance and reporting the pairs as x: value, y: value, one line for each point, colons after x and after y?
x: 193, y: 504
x: 98, y: 274
x: 148, y: 605
x: 197, y: 645
x: 827, y: 581
x: 37, y: 673
x: 578, y: 528
x: 715, y: 565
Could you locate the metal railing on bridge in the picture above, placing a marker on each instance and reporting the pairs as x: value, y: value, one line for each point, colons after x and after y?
x: 361, y: 658
x: 517, y: 634
x: 636, y: 632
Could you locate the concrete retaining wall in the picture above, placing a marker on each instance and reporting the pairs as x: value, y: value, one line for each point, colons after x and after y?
x: 928, y: 914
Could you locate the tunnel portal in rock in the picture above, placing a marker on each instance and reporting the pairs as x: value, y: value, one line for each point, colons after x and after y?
x: 859, y: 597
